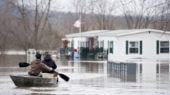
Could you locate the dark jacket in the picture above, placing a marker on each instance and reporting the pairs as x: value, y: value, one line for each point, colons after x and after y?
x: 50, y: 63
x: 37, y: 66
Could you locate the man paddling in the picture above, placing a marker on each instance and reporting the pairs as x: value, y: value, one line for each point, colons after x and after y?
x: 37, y: 66
x: 49, y: 62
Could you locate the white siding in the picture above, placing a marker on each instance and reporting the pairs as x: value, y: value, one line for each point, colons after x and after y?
x: 149, y: 46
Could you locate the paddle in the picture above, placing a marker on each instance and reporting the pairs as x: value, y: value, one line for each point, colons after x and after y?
x: 63, y: 76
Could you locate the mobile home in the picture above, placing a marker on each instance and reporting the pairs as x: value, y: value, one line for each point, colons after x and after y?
x: 125, y: 44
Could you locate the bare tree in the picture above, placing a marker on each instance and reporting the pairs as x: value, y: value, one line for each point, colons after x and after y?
x: 32, y: 28
x: 138, y: 13
x: 162, y: 22
x: 5, y: 26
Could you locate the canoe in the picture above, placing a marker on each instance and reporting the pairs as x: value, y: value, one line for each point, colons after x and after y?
x: 33, y: 81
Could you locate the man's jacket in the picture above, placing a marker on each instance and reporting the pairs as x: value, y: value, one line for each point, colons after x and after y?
x: 37, y: 66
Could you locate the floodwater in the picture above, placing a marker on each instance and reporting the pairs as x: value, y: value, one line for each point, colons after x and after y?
x: 92, y: 78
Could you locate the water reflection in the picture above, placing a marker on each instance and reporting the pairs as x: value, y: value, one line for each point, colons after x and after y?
x: 123, y: 71
x: 11, y: 60
x: 157, y: 70
x: 82, y: 66
x: 146, y: 77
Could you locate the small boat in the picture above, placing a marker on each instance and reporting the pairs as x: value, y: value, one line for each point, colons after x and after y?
x: 33, y: 81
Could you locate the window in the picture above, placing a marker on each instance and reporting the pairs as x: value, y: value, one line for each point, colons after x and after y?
x: 164, y: 46
x: 134, y: 47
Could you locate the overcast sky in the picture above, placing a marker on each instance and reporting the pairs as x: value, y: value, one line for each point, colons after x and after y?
x: 62, y: 5
x: 130, y: 5
x: 67, y: 5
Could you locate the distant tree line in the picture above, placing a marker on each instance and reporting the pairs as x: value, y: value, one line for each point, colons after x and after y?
x: 22, y: 27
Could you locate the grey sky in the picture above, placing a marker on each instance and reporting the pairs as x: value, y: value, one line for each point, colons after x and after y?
x: 134, y: 6
x: 62, y: 5
x: 131, y: 6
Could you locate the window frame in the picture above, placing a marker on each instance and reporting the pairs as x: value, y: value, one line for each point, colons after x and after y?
x: 138, y: 47
x: 164, y: 47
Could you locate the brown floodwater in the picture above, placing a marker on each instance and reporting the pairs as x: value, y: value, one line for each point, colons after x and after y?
x: 92, y: 78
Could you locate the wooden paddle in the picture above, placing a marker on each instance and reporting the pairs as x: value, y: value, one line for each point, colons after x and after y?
x: 63, y: 76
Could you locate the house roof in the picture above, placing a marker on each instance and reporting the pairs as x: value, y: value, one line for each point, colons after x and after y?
x: 114, y: 32
x: 87, y: 34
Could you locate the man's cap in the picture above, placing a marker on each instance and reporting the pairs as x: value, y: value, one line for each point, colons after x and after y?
x: 38, y: 56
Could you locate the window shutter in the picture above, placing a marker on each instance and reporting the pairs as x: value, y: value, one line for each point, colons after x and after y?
x: 103, y: 44
x: 157, y: 47
x: 113, y: 47
x: 141, y: 47
x: 127, y: 47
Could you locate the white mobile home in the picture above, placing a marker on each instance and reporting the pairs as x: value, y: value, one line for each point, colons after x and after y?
x: 126, y: 44
x: 139, y: 43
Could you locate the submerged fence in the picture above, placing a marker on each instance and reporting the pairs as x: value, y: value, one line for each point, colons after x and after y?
x: 124, y: 71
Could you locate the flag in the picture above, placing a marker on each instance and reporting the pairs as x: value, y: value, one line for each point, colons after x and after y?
x: 77, y: 24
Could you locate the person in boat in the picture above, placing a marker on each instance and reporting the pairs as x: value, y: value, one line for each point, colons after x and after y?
x: 49, y: 62
x: 37, y: 66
